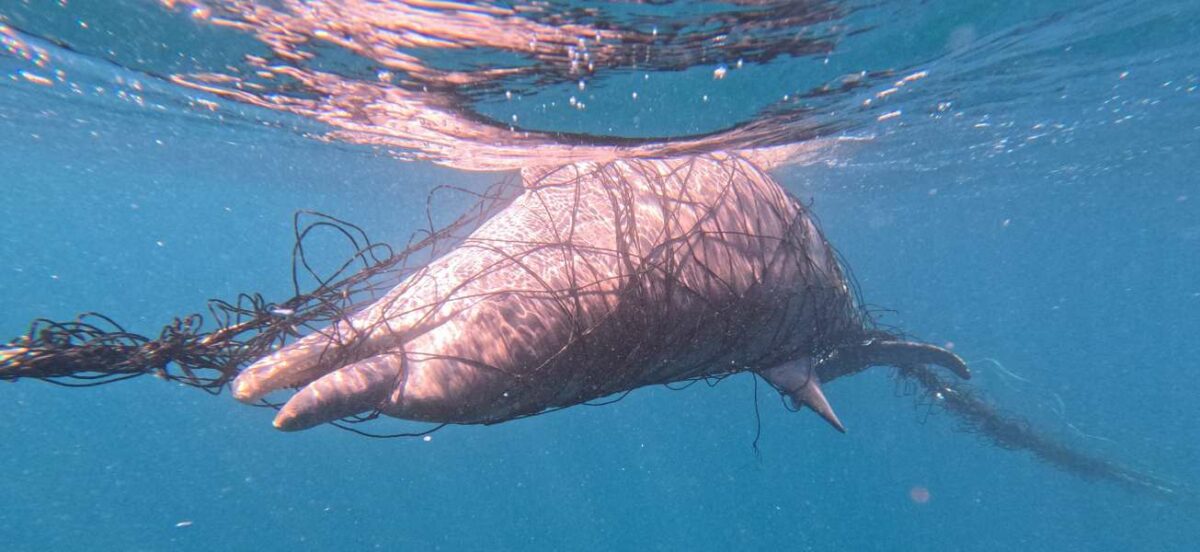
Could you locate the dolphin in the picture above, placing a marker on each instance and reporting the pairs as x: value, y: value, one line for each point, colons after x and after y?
x: 598, y: 278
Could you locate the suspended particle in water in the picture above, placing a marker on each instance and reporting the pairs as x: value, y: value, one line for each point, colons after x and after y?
x: 919, y: 495
x: 719, y: 72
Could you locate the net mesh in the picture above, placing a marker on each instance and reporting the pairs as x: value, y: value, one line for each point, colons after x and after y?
x: 208, y: 351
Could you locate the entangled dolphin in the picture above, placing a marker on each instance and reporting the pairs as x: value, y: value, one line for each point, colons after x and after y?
x: 597, y: 279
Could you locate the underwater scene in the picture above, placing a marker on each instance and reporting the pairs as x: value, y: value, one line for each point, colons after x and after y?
x: 577, y: 275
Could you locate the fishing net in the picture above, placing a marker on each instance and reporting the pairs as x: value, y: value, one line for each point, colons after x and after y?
x: 208, y: 351
x: 680, y: 321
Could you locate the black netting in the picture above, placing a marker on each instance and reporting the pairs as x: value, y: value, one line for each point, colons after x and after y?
x: 647, y: 302
x: 207, y: 352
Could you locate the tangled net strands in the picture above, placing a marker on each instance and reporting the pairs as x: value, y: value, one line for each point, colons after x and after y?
x: 975, y: 414
x: 95, y: 350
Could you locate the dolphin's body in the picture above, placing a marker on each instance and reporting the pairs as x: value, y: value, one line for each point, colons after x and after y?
x: 598, y: 278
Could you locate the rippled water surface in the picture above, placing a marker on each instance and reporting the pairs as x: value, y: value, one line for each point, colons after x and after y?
x: 1014, y: 178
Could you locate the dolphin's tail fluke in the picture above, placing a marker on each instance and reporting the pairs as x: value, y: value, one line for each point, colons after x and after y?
x: 980, y: 416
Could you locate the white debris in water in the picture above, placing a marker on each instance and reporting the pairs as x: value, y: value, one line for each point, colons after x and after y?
x: 888, y: 115
x: 184, y: 523
x: 719, y: 72
x: 427, y: 438
x: 280, y: 311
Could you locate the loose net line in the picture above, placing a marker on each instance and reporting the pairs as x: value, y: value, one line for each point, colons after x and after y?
x: 94, y: 350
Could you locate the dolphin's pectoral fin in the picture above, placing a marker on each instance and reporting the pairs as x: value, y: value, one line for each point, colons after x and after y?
x: 800, y: 383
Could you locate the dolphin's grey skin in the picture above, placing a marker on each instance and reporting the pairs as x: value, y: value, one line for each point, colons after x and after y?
x: 597, y: 279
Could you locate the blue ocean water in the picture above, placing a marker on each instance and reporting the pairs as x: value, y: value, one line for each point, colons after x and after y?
x: 1046, y: 222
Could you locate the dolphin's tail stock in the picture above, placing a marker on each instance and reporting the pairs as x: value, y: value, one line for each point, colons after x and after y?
x: 978, y: 415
